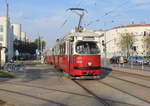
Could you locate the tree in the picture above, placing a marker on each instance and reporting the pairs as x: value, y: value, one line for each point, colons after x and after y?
x: 147, y: 42
x: 41, y: 44
x: 126, y: 42
x: 25, y: 47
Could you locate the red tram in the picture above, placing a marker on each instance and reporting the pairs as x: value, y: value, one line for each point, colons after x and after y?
x: 77, y: 54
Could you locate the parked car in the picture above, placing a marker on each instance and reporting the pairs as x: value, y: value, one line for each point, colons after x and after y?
x: 115, y: 59
x: 137, y: 60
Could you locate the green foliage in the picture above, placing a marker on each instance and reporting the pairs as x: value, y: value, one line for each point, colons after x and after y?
x: 6, y: 75
x: 25, y: 47
x: 147, y: 57
x: 41, y: 44
x: 32, y: 63
x: 147, y: 42
x: 2, y: 103
x: 126, y: 42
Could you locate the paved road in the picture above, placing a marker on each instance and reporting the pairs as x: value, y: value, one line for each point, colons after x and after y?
x: 45, y: 86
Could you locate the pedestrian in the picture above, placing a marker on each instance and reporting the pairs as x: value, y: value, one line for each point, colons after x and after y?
x: 42, y: 59
x: 121, y: 61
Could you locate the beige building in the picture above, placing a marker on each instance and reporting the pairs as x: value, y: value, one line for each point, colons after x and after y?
x: 6, y: 40
x: 112, y: 37
x: 23, y: 36
x: 17, y: 31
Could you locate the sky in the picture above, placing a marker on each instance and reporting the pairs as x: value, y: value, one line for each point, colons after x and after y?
x: 46, y: 18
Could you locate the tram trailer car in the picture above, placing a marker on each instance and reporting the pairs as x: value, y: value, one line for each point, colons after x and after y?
x: 78, y: 54
x: 48, y: 56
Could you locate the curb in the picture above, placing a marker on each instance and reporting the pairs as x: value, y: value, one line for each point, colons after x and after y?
x: 129, y: 71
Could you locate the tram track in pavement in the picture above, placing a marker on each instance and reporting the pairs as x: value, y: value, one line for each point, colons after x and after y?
x: 123, y: 91
x: 31, y: 96
x: 119, y: 73
x: 101, y: 100
x: 129, y: 81
x: 133, y: 75
x: 104, y: 101
x: 98, y: 98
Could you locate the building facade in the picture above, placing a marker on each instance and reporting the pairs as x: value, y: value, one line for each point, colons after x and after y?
x: 112, y: 38
x: 17, y: 31
x: 6, y: 40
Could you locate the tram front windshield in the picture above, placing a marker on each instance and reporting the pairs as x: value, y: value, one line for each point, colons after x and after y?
x: 87, y: 48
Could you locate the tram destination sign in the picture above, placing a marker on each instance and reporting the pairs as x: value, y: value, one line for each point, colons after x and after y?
x: 88, y: 38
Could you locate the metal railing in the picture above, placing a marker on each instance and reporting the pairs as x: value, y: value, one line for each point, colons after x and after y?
x: 131, y: 66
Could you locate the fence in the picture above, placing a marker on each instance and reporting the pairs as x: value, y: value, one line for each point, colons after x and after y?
x: 127, y: 65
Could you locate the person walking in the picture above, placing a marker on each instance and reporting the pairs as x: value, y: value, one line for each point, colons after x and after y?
x: 121, y: 61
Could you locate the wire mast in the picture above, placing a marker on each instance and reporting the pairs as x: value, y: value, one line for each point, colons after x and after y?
x: 81, y: 15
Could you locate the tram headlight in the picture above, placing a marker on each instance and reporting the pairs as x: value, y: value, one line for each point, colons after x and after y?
x: 89, y: 63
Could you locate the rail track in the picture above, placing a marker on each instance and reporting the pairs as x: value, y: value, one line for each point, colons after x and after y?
x: 101, y: 100
x: 104, y: 101
x: 123, y: 91
x: 133, y: 75
x: 129, y: 81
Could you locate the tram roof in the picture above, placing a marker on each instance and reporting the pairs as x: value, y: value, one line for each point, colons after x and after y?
x: 85, y: 32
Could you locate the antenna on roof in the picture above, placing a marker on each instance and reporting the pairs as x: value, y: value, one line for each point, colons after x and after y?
x: 81, y: 14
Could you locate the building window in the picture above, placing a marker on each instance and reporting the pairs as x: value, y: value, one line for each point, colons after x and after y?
x: 1, y: 37
x: 1, y: 28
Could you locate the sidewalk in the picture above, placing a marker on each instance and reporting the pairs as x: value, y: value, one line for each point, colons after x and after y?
x: 127, y: 70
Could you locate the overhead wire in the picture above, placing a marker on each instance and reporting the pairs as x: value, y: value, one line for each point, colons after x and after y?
x: 109, y: 12
x: 66, y: 20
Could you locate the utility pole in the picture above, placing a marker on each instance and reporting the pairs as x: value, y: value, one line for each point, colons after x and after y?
x: 39, y: 45
x: 7, y: 9
x: 105, y: 48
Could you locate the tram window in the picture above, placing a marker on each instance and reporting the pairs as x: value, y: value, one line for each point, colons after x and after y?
x: 87, y: 48
x: 62, y: 49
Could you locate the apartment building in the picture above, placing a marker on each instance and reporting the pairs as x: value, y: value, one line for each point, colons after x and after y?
x: 6, y: 40
x: 17, y: 31
x: 112, y: 38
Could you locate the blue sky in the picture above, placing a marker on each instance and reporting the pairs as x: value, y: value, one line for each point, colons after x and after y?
x: 45, y: 17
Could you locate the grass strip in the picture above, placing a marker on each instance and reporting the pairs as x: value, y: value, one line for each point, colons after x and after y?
x: 2, y: 103
x: 6, y: 75
x: 32, y: 63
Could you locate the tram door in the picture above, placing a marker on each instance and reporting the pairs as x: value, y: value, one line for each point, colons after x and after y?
x: 70, y: 56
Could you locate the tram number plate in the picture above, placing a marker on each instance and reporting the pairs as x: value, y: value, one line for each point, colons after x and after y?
x: 88, y: 38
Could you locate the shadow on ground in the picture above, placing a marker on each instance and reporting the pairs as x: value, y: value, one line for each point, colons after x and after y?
x: 105, y: 72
